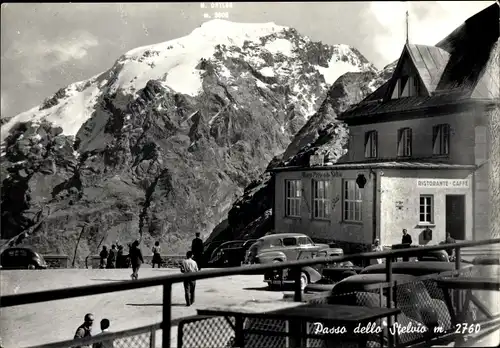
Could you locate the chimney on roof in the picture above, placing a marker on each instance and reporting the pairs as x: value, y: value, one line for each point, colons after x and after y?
x: 407, y: 30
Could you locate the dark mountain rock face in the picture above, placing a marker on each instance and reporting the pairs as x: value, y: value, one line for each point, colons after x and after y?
x: 251, y: 215
x: 158, y: 163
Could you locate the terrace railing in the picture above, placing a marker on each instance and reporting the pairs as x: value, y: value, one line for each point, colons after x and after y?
x: 167, y: 281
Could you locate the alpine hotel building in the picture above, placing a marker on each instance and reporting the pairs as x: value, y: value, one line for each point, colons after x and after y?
x: 418, y: 151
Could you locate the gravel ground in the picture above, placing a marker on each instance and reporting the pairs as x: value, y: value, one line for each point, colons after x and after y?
x: 41, y: 323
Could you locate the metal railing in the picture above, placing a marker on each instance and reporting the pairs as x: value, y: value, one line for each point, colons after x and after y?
x: 167, y: 281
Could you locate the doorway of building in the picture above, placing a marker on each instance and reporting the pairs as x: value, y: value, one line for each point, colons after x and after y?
x: 455, y: 216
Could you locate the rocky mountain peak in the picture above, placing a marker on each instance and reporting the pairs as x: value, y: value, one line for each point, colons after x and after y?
x: 185, y: 123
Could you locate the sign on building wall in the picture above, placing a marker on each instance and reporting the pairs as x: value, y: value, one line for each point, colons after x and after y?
x: 322, y: 175
x: 443, y: 183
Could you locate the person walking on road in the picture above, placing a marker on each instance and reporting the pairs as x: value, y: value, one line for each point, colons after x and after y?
x: 376, y: 247
x: 406, y: 239
x: 112, y: 257
x: 136, y: 259
x: 85, y: 330
x: 156, y: 255
x: 188, y: 266
x: 104, y: 256
x: 197, y: 249
x: 108, y: 342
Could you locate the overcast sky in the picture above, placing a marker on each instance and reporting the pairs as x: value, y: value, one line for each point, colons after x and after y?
x: 47, y: 46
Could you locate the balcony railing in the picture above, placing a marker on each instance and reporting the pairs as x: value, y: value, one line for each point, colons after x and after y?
x: 167, y: 281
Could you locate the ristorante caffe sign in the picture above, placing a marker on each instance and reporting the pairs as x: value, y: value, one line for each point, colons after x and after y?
x: 443, y: 183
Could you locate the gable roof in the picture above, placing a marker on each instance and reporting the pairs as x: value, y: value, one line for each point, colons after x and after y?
x: 466, y: 62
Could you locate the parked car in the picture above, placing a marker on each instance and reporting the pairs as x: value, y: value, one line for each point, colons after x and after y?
x: 281, y: 247
x: 22, y: 258
x: 217, y: 258
x: 419, y: 268
x: 410, y: 295
x: 287, y: 276
x: 234, y: 255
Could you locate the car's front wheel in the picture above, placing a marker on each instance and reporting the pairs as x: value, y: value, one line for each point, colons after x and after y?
x: 31, y: 266
x: 303, y: 281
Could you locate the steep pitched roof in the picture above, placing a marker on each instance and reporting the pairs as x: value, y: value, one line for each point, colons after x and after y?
x: 465, y: 63
x: 430, y: 63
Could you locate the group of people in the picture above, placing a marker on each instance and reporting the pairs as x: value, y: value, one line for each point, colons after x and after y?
x: 407, y: 241
x: 114, y: 258
x: 85, y: 330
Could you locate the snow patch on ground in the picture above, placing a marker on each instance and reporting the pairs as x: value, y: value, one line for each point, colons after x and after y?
x: 267, y: 71
x: 336, y: 68
x: 282, y: 46
x: 70, y: 113
x: 261, y: 84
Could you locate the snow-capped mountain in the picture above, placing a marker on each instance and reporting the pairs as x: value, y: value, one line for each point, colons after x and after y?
x: 276, y: 55
x: 185, y: 123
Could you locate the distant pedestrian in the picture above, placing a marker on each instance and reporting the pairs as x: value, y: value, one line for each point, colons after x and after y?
x: 450, y: 240
x: 85, y: 330
x: 406, y: 239
x: 112, y: 257
x: 156, y: 255
x: 104, y: 256
x: 120, y: 262
x: 188, y: 266
x: 376, y: 247
x: 108, y: 342
x: 197, y: 249
x: 136, y: 259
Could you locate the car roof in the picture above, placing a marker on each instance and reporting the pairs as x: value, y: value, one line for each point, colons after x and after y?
x: 360, y: 281
x: 18, y: 248
x: 420, y: 267
x: 283, y: 235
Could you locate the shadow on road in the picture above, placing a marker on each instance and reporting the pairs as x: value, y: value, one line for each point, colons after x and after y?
x: 264, y: 288
x: 109, y: 280
x: 155, y: 304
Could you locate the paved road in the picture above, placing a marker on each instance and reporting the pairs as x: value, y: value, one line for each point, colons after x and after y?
x: 30, y: 325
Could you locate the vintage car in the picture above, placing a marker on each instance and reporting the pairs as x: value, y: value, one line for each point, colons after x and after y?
x: 420, y: 268
x: 282, y: 247
x: 22, y: 258
x: 287, y: 276
x: 411, y: 296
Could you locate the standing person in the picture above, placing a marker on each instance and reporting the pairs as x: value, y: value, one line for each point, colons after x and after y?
x: 406, y: 240
x: 104, y: 256
x: 197, y: 249
x: 136, y: 259
x: 188, y: 266
x: 156, y: 255
x: 85, y: 330
x: 376, y: 247
x: 119, y: 257
x: 108, y: 342
x: 112, y: 257
x: 449, y: 240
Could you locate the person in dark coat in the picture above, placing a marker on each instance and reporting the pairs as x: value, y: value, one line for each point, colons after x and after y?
x: 104, y: 256
x: 156, y: 255
x: 120, y: 262
x: 136, y: 259
x: 406, y: 240
x: 112, y: 257
x: 197, y: 249
x: 85, y: 330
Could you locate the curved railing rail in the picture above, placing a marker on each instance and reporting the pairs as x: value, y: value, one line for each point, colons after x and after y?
x: 167, y: 281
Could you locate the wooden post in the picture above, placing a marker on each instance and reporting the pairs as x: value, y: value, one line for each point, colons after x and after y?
x: 167, y: 315
x: 297, y: 286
